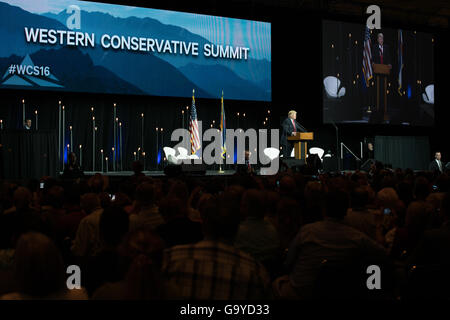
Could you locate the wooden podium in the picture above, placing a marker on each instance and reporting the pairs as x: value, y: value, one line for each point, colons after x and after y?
x: 300, y: 140
x: 382, y: 71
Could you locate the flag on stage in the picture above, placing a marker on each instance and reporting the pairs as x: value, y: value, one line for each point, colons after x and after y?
x: 367, y: 58
x: 193, y: 127
x: 223, y: 129
x: 400, y: 60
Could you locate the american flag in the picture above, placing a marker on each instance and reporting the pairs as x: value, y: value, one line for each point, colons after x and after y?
x: 193, y: 127
x: 400, y: 61
x: 367, y: 58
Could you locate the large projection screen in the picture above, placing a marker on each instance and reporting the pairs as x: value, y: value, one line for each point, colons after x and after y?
x: 85, y: 46
x: 353, y: 91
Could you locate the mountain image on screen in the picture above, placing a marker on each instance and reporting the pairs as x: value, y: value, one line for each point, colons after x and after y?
x: 236, y: 76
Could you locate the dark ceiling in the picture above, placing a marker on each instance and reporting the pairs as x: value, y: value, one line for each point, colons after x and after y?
x: 429, y: 13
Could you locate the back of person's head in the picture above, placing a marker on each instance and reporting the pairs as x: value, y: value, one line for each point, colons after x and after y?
x: 145, y: 194
x: 422, y: 188
x: 336, y: 204
x: 253, y: 204
x: 272, y: 199
x: 39, y: 268
x: 55, y: 196
x: 90, y: 202
x: 113, y: 225
x: 417, y: 215
x: 22, y: 198
x: 387, y: 197
x: 141, y: 253
x: 287, y: 184
x: 137, y: 167
x: 97, y: 183
x: 179, y: 190
x: 288, y: 213
x: 313, y: 193
x: 359, y: 198
x: 220, y: 218
x: 171, y: 208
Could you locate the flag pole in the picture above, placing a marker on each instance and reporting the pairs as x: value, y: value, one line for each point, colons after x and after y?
x: 222, y: 128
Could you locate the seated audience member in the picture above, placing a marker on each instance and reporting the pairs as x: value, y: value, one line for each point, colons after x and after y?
x: 53, y: 211
x: 104, y: 267
x: 257, y: 236
x: 434, y: 247
x: 178, y: 228
x: 98, y: 183
x: 288, y: 222
x: 214, y: 268
x: 147, y: 215
x: 360, y: 217
x: 87, y: 239
x: 406, y: 238
x: 314, y: 196
x: 39, y: 271
x: 329, y: 240
x: 141, y: 254
x: 20, y: 219
x: 137, y: 176
x: 422, y: 189
x: 68, y: 224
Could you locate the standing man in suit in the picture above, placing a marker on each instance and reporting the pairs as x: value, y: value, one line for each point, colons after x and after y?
x: 436, y: 164
x: 380, y: 52
x: 290, y: 128
x: 27, y: 124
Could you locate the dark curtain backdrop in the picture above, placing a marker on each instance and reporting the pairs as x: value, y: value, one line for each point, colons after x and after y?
x: 159, y: 112
x: 28, y: 154
x: 403, y: 152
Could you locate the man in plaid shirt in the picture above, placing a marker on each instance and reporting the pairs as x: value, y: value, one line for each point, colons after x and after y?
x: 214, y: 268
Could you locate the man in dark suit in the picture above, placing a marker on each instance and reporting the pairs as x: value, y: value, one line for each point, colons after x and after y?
x: 436, y: 165
x: 27, y: 124
x: 380, y: 52
x: 290, y: 127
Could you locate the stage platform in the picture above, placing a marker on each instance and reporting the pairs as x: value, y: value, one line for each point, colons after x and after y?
x: 158, y: 173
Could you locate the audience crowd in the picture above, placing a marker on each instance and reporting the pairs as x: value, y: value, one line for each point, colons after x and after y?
x: 289, y: 236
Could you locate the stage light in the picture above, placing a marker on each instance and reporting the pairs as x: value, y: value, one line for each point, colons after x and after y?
x: 332, y: 46
x: 349, y: 35
x: 356, y: 42
x: 354, y: 82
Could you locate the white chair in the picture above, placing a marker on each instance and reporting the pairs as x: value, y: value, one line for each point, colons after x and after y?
x: 170, y: 155
x: 182, y: 153
x: 318, y: 151
x: 332, y: 87
x: 271, y: 153
x: 428, y: 95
